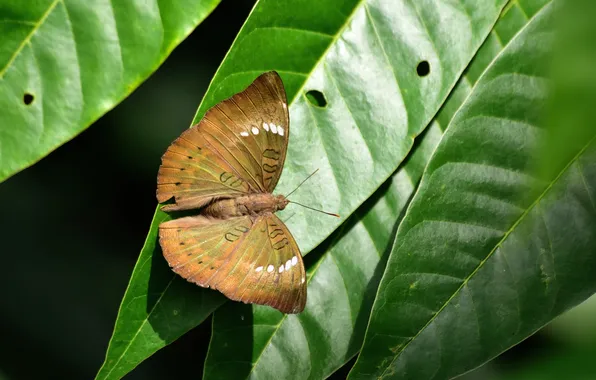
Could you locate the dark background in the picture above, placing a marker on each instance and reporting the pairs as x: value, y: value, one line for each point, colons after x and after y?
x: 74, y: 223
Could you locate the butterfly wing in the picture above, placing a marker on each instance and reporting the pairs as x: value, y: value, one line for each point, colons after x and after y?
x: 256, y: 123
x: 238, y: 148
x: 194, y: 174
x: 253, y: 260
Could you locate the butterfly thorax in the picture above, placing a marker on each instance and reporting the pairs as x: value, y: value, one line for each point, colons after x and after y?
x: 253, y: 204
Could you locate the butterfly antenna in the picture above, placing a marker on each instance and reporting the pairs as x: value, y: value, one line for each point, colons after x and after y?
x: 314, y: 209
x: 306, y: 179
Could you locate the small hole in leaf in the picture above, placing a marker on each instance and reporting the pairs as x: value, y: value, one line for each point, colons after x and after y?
x: 316, y: 98
x: 28, y: 98
x: 423, y: 69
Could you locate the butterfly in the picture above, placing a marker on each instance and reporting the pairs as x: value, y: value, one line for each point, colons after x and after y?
x: 227, y: 166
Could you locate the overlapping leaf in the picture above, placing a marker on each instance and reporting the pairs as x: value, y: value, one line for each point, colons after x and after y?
x: 362, y: 56
x: 64, y: 63
x: 251, y: 340
x: 488, y: 251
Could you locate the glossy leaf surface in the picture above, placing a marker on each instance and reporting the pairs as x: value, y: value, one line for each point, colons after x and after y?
x: 248, y: 341
x: 366, y: 70
x: 489, y: 251
x: 65, y: 63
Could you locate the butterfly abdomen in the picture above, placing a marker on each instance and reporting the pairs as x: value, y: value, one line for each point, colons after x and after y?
x: 254, y: 204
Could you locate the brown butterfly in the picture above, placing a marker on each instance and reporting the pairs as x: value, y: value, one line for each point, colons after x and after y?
x: 226, y: 166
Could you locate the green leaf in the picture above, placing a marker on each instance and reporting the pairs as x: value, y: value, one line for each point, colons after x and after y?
x: 259, y: 335
x: 488, y: 251
x: 362, y: 57
x: 65, y: 63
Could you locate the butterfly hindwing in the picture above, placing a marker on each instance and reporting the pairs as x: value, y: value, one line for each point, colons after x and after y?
x: 248, y: 259
x: 277, y: 278
x: 196, y: 246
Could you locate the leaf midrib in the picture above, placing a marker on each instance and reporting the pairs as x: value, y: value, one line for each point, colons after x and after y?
x: 145, y: 320
x: 26, y: 40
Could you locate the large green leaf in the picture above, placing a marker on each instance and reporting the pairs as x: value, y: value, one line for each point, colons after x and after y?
x: 489, y: 251
x: 362, y: 56
x: 249, y: 341
x: 64, y: 63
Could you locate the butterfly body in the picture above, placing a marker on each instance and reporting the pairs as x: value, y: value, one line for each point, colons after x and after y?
x: 226, y: 167
x: 254, y: 204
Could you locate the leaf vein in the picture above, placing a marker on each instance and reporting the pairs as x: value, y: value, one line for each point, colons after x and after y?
x: 27, y: 39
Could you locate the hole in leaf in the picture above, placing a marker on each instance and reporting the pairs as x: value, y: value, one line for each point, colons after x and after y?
x: 28, y: 98
x: 316, y: 98
x: 423, y: 69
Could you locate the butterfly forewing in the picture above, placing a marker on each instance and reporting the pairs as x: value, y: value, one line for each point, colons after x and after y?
x: 238, y: 148
x: 250, y: 260
x: 194, y: 174
x: 251, y: 129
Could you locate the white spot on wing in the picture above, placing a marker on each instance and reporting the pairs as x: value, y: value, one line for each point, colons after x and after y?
x: 303, y: 279
x: 284, y: 105
x: 294, y: 260
x: 273, y: 128
x: 288, y: 264
x: 255, y: 130
x: 280, y: 130
x: 244, y: 134
x: 270, y: 268
x: 281, y: 268
x: 266, y: 126
x: 259, y: 269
